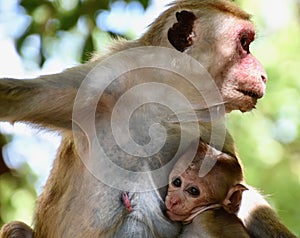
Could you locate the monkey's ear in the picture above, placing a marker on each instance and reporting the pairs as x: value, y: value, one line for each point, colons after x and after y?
x: 179, y: 35
x: 233, y: 198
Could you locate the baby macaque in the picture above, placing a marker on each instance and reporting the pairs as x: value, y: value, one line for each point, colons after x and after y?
x: 208, y: 201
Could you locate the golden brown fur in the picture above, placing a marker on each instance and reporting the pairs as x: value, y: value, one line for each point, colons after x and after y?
x: 215, y: 224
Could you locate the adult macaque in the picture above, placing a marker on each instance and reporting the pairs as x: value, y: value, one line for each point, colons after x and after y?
x: 74, y: 203
x: 208, y: 204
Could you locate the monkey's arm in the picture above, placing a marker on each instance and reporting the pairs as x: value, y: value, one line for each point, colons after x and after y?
x: 215, y: 223
x: 36, y: 102
x: 47, y: 100
x: 16, y: 229
x: 259, y: 218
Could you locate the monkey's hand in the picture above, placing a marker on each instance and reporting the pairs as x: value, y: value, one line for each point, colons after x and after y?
x: 16, y: 229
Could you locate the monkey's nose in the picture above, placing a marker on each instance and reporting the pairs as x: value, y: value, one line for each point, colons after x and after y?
x: 264, y: 78
x: 170, y: 203
x: 173, y: 203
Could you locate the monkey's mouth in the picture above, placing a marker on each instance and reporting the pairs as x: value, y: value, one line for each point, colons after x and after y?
x: 247, y: 100
x: 250, y: 94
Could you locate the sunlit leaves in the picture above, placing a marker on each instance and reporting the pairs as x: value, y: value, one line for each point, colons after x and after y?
x: 50, y: 17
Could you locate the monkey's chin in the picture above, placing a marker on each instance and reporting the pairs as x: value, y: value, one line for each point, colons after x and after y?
x: 248, y: 104
x: 176, y: 217
x: 244, y: 104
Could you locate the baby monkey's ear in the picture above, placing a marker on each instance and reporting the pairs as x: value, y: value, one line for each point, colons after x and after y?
x: 233, y: 198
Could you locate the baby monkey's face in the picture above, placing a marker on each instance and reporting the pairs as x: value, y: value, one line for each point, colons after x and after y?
x: 186, y: 192
x: 189, y: 192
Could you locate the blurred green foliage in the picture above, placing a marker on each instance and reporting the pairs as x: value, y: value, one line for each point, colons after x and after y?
x: 268, y: 139
x: 48, y: 19
x: 18, y: 195
x: 17, y: 190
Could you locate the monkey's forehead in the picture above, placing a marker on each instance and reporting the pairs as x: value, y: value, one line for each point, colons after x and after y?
x: 229, y: 28
x: 183, y: 171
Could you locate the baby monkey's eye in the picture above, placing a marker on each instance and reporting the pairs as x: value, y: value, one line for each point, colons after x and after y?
x: 194, y: 191
x: 177, y: 182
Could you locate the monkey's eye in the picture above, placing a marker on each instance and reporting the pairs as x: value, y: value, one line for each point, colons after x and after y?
x: 194, y: 191
x: 177, y: 182
x: 245, y: 43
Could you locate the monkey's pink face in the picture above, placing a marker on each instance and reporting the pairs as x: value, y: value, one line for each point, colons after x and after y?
x: 186, y: 193
x: 241, y: 77
x: 245, y: 81
x: 225, y: 52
